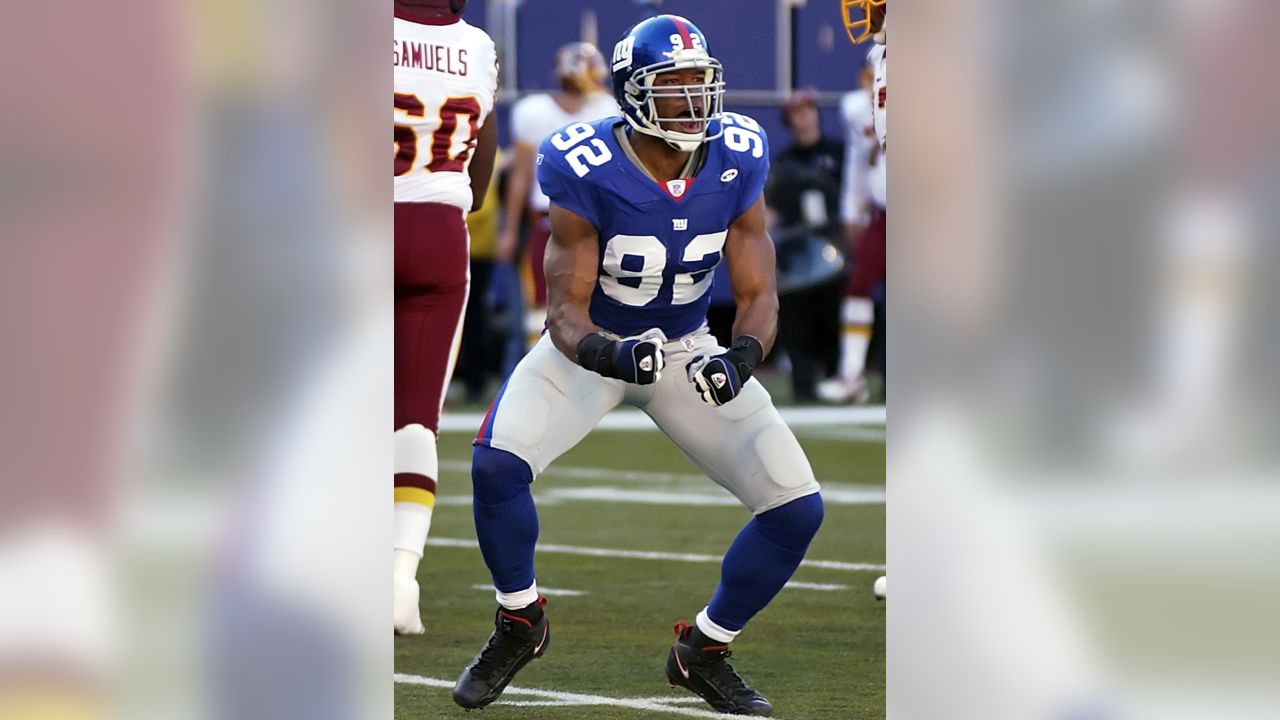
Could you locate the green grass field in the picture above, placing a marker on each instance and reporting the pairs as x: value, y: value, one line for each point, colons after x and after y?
x: 815, y: 653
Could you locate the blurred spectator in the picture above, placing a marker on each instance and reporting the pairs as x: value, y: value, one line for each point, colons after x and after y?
x: 490, y: 318
x: 804, y: 191
x: 582, y: 97
x: 862, y: 209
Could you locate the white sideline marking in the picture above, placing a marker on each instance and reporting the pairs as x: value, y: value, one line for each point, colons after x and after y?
x: 646, y: 555
x: 549, y: 592
x: 632, y: 419
x: 554, y: 697
x: 815, y: 586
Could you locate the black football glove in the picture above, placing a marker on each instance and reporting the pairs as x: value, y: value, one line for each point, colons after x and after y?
x: 637, y: 359
x: 719, y: 378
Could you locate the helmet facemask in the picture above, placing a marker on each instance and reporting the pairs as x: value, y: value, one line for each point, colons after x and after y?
x: 704, y: 101
x: 864, y: 19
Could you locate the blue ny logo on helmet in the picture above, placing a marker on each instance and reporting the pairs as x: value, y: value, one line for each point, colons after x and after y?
x: 658, y: 45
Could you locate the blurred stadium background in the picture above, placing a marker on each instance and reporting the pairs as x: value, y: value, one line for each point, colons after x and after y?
x: 768, y: 47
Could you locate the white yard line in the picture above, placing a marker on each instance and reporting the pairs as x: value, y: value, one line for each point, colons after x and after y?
x: 593, y: 473
x: 837, y: 492
x: 678, y: 700
x: 830, y: 587
x: 551, y: 549
x: 561, y: 592
x: 548, y: 591
x: 556, y: 698
x: 835, y: 496
x: 632, y: 419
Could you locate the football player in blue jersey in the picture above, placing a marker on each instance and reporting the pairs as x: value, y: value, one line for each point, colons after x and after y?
x: 643, y: 208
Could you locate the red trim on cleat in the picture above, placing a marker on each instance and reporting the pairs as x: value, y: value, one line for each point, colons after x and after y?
x: 517, y: 618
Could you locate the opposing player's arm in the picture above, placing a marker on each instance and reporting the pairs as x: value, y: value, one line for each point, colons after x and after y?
x: 519, y: 182
x: 571, y: 265
x: 749, y: 251
x: 481, y: 169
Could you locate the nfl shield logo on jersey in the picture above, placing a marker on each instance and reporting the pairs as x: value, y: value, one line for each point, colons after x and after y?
x: 676, y: 187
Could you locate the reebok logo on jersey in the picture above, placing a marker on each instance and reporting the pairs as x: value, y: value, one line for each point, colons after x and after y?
x: 729, y: 175
x: 679, y: 223
x: 719, y: 379
x: 676, y: 187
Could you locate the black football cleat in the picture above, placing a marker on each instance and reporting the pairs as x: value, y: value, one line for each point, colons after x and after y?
x: 518, y: 637
x: 704, y: 669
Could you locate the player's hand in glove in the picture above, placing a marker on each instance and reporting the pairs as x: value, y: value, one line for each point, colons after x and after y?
x: 719, y: 378
x: 636, y: 359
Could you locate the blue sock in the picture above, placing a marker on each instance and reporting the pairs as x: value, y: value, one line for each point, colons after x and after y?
x: 761, y: 560
x: 506, y: 520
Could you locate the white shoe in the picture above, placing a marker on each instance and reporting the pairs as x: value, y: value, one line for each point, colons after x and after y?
x: 407, y: 618
x: 839, y: 390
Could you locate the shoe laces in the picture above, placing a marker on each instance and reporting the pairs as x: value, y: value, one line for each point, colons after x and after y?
x: 719, y: 672
x: 502, y: 648
x: 498, y: 653
x: 723, y: 676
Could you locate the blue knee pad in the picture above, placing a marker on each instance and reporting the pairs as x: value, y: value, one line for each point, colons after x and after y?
x: 497, y: 476
x: 506, y: 519
x: 792, y: 526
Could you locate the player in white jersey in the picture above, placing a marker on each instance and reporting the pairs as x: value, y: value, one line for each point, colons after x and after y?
x: 862, y: 209
x: 581, y: 72
x: 868, y: 20
x: 446, y: 78
x: 865, y: 19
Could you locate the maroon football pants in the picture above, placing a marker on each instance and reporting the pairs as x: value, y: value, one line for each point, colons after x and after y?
x: 431, y: 268
x: 536, y: 250
x: 867, y: 257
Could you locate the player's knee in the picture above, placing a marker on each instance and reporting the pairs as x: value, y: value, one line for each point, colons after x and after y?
x: 793, y: 525
x: 497, y: 475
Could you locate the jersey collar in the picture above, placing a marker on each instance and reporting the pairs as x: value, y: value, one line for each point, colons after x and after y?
x: 414, y: 16
x: 677, y: 189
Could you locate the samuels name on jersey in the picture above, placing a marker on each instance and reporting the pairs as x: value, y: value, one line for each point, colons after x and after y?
x: 445, y: 78
x: 427, y: 56
x: 659, y: 242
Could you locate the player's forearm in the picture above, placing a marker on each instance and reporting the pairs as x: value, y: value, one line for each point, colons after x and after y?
x: 758, y: 318
x: 517, y: 195
x: 569, y: 324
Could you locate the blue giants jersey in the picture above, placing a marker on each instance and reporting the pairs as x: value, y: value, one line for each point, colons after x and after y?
x: 659, y: 242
